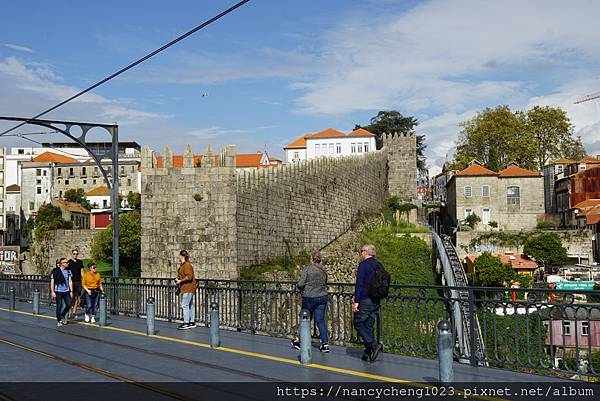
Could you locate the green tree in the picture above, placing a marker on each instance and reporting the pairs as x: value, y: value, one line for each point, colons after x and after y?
x: 491, y: 272
x: 495, y: 137
x: 134, y: 200
x: 130, y: 229
x: 472, y: 220
x: 553, y: 134
x: 78, y: 196
x: 50, y: 217
x: 499, y: 136
x: 393, y: 122
x: 546, y: 247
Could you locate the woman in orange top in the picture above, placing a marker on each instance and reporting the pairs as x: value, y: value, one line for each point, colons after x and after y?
x: 92, y: 284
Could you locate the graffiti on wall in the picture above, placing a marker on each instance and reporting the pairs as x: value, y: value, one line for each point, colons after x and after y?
x: 9, y: 260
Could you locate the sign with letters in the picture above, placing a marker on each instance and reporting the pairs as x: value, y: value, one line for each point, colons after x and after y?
x: 9, y: 260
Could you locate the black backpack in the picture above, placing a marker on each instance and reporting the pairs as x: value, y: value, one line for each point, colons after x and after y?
x: 380, y: 285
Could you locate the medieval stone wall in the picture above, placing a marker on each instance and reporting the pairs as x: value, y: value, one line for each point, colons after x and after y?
x: 304, y: 206
x: 230, y: 220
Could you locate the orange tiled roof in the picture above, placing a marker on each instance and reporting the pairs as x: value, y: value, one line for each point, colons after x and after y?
x: 53, y: 158
x: 99, y: 191
x: 516, y: 171
x: 300, y: 142
x: 563, y: 161
x: 70, y: 206
x: 328, y: 133
x: 475, y: 169
x: 592, y: 216
x: 517, y: 261
x: 587, y: 204
x: 361, y: 132
x: 589, y: 159
x: 242, y: 160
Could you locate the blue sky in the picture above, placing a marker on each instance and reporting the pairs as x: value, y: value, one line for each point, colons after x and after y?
x: 273, y: 70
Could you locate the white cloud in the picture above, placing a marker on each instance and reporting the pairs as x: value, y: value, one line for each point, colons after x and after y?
x: 19, y: 48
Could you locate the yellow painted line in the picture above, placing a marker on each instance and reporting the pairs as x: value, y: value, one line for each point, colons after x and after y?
x: 262, y: 356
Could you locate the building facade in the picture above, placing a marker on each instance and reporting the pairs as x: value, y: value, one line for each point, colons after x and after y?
x: 513, y: 199
x: 330, y: 143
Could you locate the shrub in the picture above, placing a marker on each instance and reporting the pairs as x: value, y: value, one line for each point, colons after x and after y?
x: 493, y: 224
x: 472, y: 220
x: 545, y: 225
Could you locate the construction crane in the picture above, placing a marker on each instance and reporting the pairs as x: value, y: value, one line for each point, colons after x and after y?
x: 587, y: 98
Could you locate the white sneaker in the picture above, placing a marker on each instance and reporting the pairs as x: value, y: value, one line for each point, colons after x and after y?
x: 93, y: 319
x: 87, y: 318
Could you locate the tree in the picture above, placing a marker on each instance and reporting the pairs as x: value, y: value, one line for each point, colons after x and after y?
x: 78, y: 196
x: 553, y: 134
x: 134, y: 200
x: 546, y: 247
x: 393, y: 122
x: 491, y: 272
x: 499, y: 136
x: 130, y: 230
x: 495, y: 137
x: 50, y: 217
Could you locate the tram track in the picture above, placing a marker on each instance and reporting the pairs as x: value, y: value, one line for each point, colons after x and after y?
x: 154, y: 353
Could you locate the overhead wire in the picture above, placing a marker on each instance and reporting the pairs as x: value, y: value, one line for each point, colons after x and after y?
x: 135, y: 63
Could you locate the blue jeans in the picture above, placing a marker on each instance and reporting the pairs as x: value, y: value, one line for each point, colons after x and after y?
x: 91, y: 303
x: 62, y: 297
x: 364, y: 322
x: 318, y: 306
x: 187, y: 304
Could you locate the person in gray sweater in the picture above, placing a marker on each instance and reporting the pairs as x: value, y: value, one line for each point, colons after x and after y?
x: 313, y: 285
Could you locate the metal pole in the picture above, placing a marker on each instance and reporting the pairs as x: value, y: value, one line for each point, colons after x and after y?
x: 305, y: 338
x: 114, y: 199
x: 102, y: 311
x: 444, y: 343
x: 150, y: 316
x: 215, y: 338
x: 11, y: 298
x: 36, y: 302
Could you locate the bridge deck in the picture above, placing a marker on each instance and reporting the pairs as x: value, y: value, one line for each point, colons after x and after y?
x: 122, y: 351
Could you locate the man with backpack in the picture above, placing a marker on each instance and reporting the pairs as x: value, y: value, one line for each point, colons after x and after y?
x: 372, y: 285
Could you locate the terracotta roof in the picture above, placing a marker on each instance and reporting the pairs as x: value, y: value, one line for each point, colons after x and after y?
x: 99, y: 191
x: 517, y: 262
x: 592, y: 216
x: 70, y: 206
x: 516, y: 171
x: 361, y: 132
x: 586, y: 204
x: 475, y: 169
x: 589, y: 159
x: 299, y: 143
x: 242, y: 160
x: 53, y: 158
x: 563, y: 161
x: 328, y: 133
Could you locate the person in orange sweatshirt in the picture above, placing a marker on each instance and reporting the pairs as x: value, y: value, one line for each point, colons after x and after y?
x: 187, y: 285
x: 92, y: 284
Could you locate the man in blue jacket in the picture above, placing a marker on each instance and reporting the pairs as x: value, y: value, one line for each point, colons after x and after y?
x: 363, y: 306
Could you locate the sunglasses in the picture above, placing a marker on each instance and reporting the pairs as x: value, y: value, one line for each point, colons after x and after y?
x: 93, y: 267
x: 75, y: 254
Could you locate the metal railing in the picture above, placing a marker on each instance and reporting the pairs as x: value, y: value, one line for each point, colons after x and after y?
x: 545, y: 331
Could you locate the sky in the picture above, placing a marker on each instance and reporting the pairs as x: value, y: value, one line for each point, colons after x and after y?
x: 273, y: 70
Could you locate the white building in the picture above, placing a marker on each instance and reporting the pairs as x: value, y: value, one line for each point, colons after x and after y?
x: 330, y: 143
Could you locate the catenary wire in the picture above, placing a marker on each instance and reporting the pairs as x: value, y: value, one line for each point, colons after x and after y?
x: 135, y: 63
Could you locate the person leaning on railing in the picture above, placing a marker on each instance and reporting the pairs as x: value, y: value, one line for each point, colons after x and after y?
x: 92, y: 284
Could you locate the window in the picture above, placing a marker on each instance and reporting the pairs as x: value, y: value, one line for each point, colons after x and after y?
x: 31, y: 205
x: 485, y: 191
x: 468, y: 211
x: 66, y: 182
x: 331, y: 145
x: 566, y: 328
x: 468, y: 191
x: 338, y: 148
x: 38, y: 181
x: 83, y: 172
x: 38, y: 172
x: 59, y: 172
x: 585, y: 328
x: 71, y: 172
x: 21, y: 152
x: 560, y: 168
x: 513, y: 195
x: 317, y: 149
x: 39, y: 190
x: 353, y: 148
x: 296, y: 155
x: 44, y: 172
x: 129, y: 182
x: 366, y: 147
x: 94, y: 181
x: 60, y: 194
x: 84, y: 182
x: 360, y: 149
